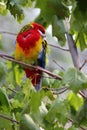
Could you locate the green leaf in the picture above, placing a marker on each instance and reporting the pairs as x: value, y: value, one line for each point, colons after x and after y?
x: 1, y: 47
x: 35, y: 101
x: 40, y: 114
x: 75, y: 79
x: 55, y: 7
x: 45, y: 81
x: 27, y: 123
x: 82, y: 41
x: 58, y: 111
x: 27, y: 89
x: 11, y: 78
x: 82, y: 7
x: 73, y: 128
x: 4, y: 101
x: 16, y: 105
x: 58, y: 30
x: 58, y: 128
x: 81, y: 118
x: 18, y: 73
x: 19, y: 96
x: 75, y: 100
x: 5, y: 124
x: 2, y: 72
x: 78, y: 23
x: 26, y: 108
x: 15, y: 9
x: 3, y: 9
x: 26, y: 3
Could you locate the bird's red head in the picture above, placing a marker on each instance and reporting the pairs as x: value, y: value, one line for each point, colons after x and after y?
x: 29, y: 35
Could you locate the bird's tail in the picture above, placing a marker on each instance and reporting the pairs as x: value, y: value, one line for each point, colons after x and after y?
x: 35, y: 76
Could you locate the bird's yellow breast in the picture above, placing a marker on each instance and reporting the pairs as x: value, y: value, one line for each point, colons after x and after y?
x: 28, y: 55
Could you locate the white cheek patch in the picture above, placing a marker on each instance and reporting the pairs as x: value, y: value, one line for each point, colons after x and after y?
x: 42, y: 34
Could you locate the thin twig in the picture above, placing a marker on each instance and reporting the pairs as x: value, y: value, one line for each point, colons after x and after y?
x: 60, y: 92
x: 57, y: 90
x: 58, y: 65
x: 8, y: 118
x: 83, y: 64
x: 49, y: 77
x: 12, y: 90
x: 61, y: 48
x: 9, y: 33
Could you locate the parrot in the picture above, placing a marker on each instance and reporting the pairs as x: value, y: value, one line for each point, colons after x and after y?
x: 31, y: 48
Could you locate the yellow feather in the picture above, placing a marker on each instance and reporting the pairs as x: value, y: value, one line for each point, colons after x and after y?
x: 28, y: 55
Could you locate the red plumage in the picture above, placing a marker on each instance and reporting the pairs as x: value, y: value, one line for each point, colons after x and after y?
x: 28, y: 39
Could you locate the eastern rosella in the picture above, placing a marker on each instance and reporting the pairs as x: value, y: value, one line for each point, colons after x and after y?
x: 31, y: 48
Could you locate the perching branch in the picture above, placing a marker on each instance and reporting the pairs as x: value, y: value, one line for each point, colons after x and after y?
x: 10, y: 58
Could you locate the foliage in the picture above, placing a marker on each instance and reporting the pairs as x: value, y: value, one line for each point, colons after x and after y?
x: 21, y: 107
x: 76, y: 79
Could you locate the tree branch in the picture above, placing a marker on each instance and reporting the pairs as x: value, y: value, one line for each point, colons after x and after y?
x: 73, y: 51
